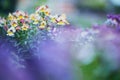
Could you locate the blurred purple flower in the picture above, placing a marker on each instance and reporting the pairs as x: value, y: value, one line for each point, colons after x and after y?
x: 8, y: 69
x: 108, y: 41
x: 113, y: 21
x: 53, y: 55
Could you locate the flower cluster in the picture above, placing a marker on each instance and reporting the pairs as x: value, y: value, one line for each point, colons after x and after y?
x: 20, y: 22
x: 113, y: 21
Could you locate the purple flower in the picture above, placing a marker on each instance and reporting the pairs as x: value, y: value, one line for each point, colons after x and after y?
x: 113, y: 21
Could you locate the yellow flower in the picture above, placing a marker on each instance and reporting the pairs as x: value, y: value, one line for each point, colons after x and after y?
x: 25, y: 27
x: 41, y: 9
x: 47, y: 12
x: 11, y: 31
x: 10, y: 16
x: 20, y: 17
x: 20, y: 14
x: 42, y: 25
x: 14, y: 23
x: 54, y: 18
x: 32, y: 17
x: 62, y: 20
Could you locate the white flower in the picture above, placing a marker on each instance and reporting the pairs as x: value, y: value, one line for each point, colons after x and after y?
x: 11, y: 31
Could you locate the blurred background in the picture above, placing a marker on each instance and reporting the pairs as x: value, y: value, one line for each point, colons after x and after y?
x: 80, y: 13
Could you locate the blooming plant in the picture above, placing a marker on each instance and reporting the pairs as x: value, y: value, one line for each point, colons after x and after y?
x: 21, y: 26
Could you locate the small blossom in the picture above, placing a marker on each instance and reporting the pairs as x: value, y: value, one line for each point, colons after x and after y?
x: 10, y: 16
x: 41, y: 9
x: 34, y: 17
x: 54, y: 18
x: 47, y: 12
x: 11, y: 31
x: 62, y: 20
x: 20, y: 17
x: 42, y: 25
x: 14, y: 23
x: 25, y: 27
x: 20, y: 14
